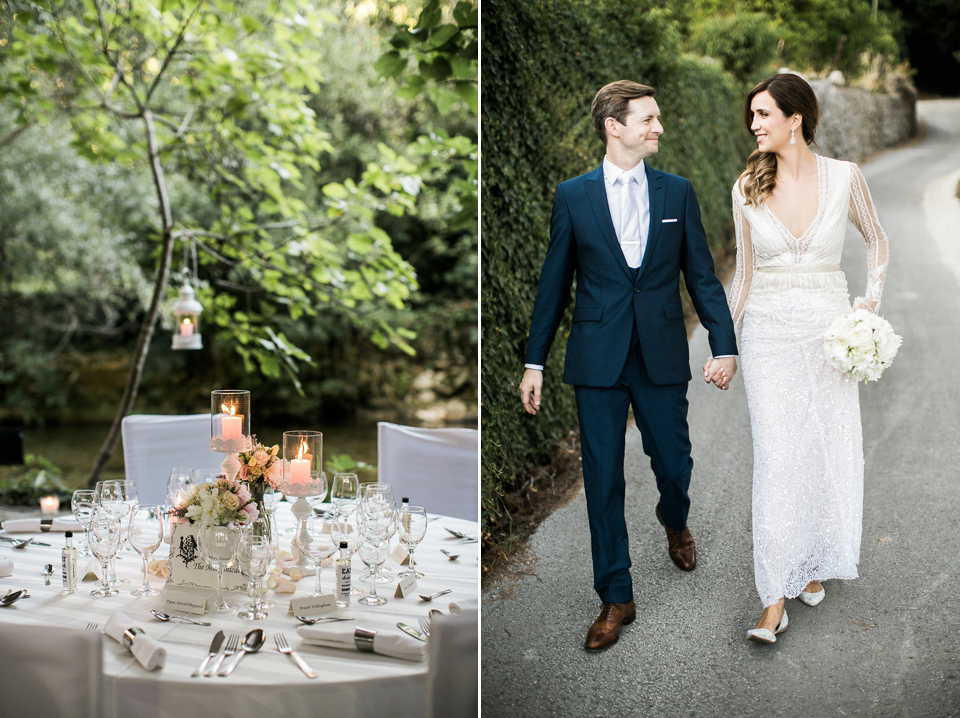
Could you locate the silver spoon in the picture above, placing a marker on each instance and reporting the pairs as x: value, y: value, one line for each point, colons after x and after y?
x: 434, y: 612
x: 167, y: 617
x: 452, y: 556
x: 434, y: 595
x: 311, y: 621
x: 12, y: 597
x: 47, y: 572
x: 23, y: 544
x: 251, y: 644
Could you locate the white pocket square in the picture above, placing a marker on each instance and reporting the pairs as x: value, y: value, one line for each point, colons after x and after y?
x: 668, y: 220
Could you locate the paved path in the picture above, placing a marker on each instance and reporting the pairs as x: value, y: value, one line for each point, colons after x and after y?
x: 884, y: 646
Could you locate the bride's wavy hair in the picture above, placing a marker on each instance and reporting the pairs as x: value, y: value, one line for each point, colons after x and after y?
x: 793, y: 95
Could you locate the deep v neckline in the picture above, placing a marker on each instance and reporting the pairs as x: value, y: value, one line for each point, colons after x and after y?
x: 799, y: 241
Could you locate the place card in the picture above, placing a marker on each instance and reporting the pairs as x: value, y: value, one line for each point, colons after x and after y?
x: 406, y: 586
x: 313, y: 605
x: 401, y: 555
x: 92, y: 571
x: 183, y: 599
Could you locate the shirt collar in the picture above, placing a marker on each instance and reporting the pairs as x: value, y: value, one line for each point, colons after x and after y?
x: 611, y: 173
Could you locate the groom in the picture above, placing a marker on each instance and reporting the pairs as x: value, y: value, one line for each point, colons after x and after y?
x: 627, y: 232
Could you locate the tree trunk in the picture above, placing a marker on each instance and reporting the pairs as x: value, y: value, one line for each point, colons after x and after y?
x: 150, y: 320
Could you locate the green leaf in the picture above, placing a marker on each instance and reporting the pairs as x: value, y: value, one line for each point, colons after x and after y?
x: 390, y: 64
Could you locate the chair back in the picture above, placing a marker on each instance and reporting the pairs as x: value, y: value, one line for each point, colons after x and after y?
x: 436, y: 468
x: 50, y: 671
x: 453, y: 651
x: 153, y: 444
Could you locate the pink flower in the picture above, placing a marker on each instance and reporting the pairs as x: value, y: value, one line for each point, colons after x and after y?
x: 275, y: 474
x: 251, y: 511
x: 262, y: 457
x: 242, y: 473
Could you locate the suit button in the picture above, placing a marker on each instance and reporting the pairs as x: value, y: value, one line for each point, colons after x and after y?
x: 636, y: 290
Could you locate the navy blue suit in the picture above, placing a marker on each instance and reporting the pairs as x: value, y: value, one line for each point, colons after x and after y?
x: 628, y: 345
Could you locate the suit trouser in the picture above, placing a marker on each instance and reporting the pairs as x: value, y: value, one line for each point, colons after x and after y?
x: 661, y: 415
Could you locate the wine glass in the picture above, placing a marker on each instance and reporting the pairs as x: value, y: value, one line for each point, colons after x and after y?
x: 104, y: 541
x: 345, y: 493
x: 267, y: 530
x: 205, y: 476
x: 372, y: 555
x: 343, y: 532
x: 146, y: 535
x: 83, y: 503
x: 412, y: 526
x: 112, y: 496
x: 253, y: 556
x: 218, y: 547
x: 180, y: 482
x: 313, y: 538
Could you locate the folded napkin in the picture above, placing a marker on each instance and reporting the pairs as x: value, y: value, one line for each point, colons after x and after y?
x: 67, y: 523
x: 338, y: 635
x: 6, y: 567
x: 150, y: 654
x: 467, y: 604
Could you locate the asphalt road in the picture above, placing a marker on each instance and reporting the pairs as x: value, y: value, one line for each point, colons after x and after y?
x: 886, y: 645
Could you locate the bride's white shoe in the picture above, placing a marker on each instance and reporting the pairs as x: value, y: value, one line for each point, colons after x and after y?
x: 764, y: 635
x: 813, y: 598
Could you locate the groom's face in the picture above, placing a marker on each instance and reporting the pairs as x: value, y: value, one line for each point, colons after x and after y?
x: 640, y: 133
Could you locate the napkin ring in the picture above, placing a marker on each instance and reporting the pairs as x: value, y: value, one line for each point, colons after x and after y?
x: 364, y: 639
x: 129, y: 635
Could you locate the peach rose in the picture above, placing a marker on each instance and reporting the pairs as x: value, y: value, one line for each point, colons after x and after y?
x: 231, y: 501
x: 262, y: 457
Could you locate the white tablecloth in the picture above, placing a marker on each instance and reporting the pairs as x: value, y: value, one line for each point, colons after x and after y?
x: 350, y: 684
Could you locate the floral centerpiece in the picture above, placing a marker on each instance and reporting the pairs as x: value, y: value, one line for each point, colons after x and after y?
x: 259, y: 469
x: 225, y: 501
x: 861, y: 344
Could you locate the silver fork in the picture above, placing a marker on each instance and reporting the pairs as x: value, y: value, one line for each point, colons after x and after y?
x: 91, y: 626
x: 233, y: 643
x: 284, y: 647
x: 424, y: 626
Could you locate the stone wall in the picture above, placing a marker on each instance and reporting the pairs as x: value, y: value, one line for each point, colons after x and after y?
x: 855, y: 123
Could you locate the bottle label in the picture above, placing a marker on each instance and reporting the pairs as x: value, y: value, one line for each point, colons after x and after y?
x: 68, y: 570
x: 343, y: 583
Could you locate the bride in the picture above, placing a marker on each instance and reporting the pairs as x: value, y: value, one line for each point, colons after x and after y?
x: 790, y: 208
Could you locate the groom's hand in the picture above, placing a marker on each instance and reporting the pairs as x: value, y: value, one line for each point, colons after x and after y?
x: 720, y: 371
x: 530, y: 386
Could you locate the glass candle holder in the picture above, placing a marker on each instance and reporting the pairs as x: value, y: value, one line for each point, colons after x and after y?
x: 230, y: 421
x: 302, y: 458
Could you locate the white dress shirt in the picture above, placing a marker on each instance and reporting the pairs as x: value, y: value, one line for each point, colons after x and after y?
x: 625, y: 197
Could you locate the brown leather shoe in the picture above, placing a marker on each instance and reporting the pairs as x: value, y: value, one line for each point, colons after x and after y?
x: 606, y: 629
x: 682, y: 547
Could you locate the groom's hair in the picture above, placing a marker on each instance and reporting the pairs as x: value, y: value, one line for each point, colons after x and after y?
x: 613, y: 100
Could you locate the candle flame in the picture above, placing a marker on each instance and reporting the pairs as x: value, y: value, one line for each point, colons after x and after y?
x: 186, y: 320
x: 232, y: 410
x: 303, y: 449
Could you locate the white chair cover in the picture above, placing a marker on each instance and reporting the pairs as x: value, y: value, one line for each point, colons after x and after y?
x: 453, y: 651
x: 50, y: 671
x: 436, y: 468
x: 153, y: 444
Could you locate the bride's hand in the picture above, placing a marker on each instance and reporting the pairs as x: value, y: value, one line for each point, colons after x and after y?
x: 713, y: 371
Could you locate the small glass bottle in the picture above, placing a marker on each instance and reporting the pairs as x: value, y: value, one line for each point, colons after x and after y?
x: 404, y: 502
x: 68, y: 565
x: 343, y: 577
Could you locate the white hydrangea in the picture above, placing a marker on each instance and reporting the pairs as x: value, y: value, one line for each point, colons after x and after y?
x: 861, y: 344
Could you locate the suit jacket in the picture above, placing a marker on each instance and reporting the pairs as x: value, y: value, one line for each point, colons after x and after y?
x: 611, y: 297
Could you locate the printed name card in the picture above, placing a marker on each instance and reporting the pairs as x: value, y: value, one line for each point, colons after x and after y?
x: 186, y: 567
x: 91, y: 572
x: 406, y: 587
x: 400, y: 555
x: 183, y: 599
x: 313, y: 605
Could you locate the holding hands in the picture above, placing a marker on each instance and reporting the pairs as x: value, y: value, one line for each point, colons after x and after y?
x: 720, y: 371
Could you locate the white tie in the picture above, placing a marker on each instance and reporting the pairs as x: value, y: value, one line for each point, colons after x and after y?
x: 629, y: 223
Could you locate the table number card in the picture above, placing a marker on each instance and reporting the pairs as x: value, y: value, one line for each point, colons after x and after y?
x: 406, y: 587
x: 186, y: 566
x: 400, y: 555
x: 313, y: 605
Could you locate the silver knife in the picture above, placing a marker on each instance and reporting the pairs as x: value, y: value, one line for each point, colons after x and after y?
x: 412, y: 632
x: 214, y: 650
x: 13, y: 540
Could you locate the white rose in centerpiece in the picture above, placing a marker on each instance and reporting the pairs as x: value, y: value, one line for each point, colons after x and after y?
x: 231, y: 501
x: 262, y: 457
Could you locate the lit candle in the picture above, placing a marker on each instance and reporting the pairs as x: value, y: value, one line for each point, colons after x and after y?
x: 232, y: 424
x: 186, y: 327
x: 300, y: 467
x: 49, y: 504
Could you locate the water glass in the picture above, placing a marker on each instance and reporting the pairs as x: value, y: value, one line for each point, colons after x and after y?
x: 104, y: 541
x: 373, y: 556
x: 180, y: 482
x: 314, y: 540
x: 83, y: 504
x: 253, y: 557
x: 412, y: 526
x: 218, y: 547
x: 345, y: 493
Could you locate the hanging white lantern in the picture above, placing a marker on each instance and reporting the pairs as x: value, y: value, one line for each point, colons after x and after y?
x: 187, y: 310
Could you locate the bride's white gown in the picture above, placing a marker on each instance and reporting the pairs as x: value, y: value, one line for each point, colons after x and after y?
x: 804, y: 414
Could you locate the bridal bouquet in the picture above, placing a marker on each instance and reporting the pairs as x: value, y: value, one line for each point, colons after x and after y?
x: 861, y: 344
x: 225, y: 501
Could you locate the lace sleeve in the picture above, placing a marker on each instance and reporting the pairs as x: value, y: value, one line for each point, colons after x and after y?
x: 743, y: 276
x: 864, y: 216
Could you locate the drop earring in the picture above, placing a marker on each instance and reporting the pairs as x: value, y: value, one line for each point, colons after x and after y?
x: 793, y: 139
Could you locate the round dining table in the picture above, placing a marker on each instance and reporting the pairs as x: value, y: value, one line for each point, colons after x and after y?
x: 349, y: 683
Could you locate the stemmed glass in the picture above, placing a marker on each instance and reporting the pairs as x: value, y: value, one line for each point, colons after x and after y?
x: 218, y: 547
x: 253, y: 555
x: 114, y: 496
x: 412, y: 527
x: 180, y: 482
x: 83, y: 504
x: 146, y: 535
x: 314, y: 540
x: 205, y: 476
x: 345, y: 493
x: 266, y: 529
x: 372, y: 556
x: 378, y: 522
x: 104, y: 541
